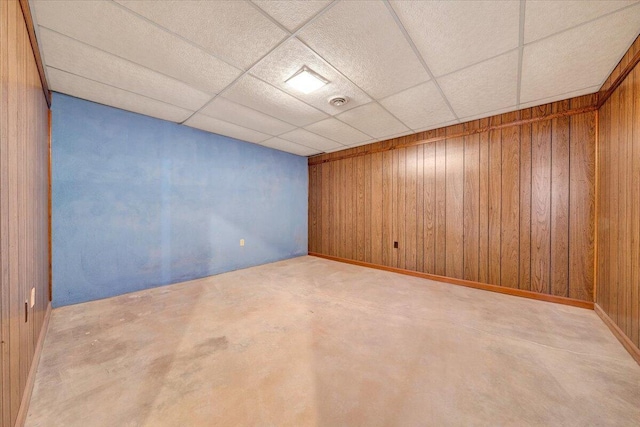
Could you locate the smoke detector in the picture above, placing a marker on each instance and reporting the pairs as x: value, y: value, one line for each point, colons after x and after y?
x: 338, y: 101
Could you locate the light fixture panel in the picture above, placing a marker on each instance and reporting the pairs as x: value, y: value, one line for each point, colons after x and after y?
x: 306, y: 80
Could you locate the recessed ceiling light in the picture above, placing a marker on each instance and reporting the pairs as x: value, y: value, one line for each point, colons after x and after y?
x: 306, y: 80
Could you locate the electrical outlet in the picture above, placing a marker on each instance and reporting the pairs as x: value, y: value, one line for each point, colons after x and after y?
x: 33, y: 297
x: 241, y: 242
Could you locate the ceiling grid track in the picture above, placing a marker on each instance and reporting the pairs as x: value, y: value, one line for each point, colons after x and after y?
x: 243, y: 64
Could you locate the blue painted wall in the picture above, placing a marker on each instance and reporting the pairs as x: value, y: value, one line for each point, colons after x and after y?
x: 140, y: 202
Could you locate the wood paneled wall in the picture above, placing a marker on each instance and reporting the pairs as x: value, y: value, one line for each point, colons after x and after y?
x: 507, y: 200
x: 24, y: 187
x: 618, y: 266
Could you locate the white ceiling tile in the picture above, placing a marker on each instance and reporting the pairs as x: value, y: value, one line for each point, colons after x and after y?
x: 437, y: 126
x: 233, y: 30
x: 360, y: 144
x: 363, y: 41
x: 209, y: 124
x: 76, y: 58
x: 483, y: 87
x: 578, y: 58
x: 451, y: 35
x: 223, y: 109
x: 292, y: 14
x: 311, y: 140
x: 488, y: 114
x: 70, y: 84
x: 419, y: 107
x: 333, y: 150
x: 287, y: 59
x: 289, y: 147
x: 561, y: 96
x: 261, y: 96
x: 109, y: 27
x: 373, y: 120
x: 338, y: 131
x: 546, y: 17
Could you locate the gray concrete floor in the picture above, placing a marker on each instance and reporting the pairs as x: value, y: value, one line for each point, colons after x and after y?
x: 314, y: 342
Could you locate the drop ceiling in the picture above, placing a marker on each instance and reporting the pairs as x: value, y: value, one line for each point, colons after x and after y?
x: 406, y: 66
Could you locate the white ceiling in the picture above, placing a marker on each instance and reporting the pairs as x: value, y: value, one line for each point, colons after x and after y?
x: 406, y: 66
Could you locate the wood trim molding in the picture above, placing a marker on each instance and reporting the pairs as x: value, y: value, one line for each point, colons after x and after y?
x: 28, y: 19
x: 50, y: 208
x: 603, y: 96
x: 316, y: 160
x: 31, y: 378
x: 624, y: 340
x: 468, y: 283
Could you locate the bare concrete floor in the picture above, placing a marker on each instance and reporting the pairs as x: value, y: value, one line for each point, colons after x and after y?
x: 314, y: 342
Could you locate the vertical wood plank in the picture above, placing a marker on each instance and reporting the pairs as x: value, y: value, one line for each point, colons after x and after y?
x: 495, y: 201
x: 484, y: 183
x: 368, y: 233
x: 313, y: 188
x: 387, y: 208
x: 635, y: 214
x: 540, y: 201
x: 325, y: 221
x: 411, y: 227
x: 471, y: 202
x: 349, y: 190
x: 560, y: 202
x: 430, y: 205
x: 360, y: 216
x: 582, y: 202
x: 5, y: 416
x: 510, y: 200
x: 440, y: 207
x: 455, y: 204
x: 420, y: 212
x: 604, y: 220
x: 625, y: 169
x: 400, y: 204
x: 377, y: 208
x: 613, y: 202
x: 525, y: 203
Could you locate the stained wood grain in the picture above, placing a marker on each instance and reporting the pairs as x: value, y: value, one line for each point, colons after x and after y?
x: 420, y: 212
x: 582, y: 201
x: 525, y: 203
x: 24, y: 190
x: 510, y: 211
x: 454, y: 205
x: 377, y: 209
x: 541, y: 202
x: 387, y: 209
x: 400, y: 217
x: 560, y: 164
x: 411, y: 208
x: 440, y: 205
x: 471, y: 201
x: 483, y: 209
x: 494, y: 201
x: 618, y: 216
x: 430, y: 204
x: 475, y: 201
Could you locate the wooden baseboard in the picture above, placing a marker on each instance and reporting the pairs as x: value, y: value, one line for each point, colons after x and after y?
x: 468, y: 283
x: 31, y: 378
x: 624, y: 340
